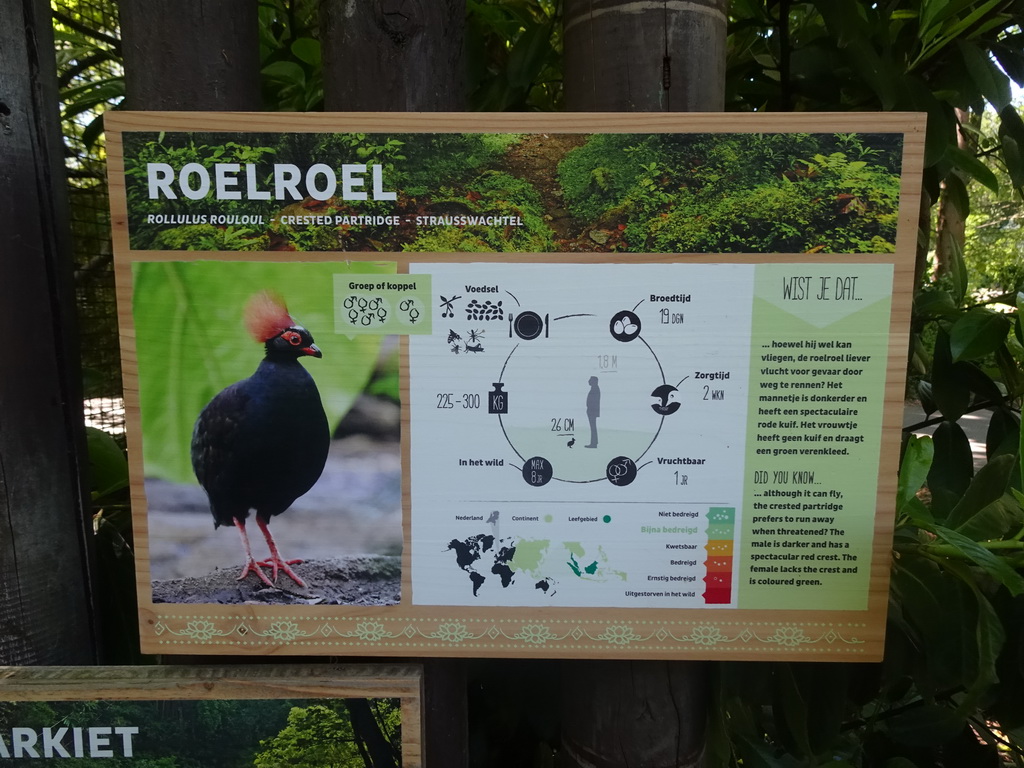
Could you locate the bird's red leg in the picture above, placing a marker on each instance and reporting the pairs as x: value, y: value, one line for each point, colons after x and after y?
x: 250, y: 561
x: 275, y: 560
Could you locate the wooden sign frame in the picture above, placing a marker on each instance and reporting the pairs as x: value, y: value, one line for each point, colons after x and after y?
x: 767, y: 538
x: 97, y: 733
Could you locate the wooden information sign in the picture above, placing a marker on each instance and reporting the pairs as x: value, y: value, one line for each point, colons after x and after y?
x: 623, y: 386
x: 256, y: 715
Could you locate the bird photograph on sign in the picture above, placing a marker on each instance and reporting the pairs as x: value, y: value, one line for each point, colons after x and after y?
x: 262, y: 412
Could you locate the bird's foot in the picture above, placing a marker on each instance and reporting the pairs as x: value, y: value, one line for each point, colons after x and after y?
x: 277, y: 564
x: 253, y: 567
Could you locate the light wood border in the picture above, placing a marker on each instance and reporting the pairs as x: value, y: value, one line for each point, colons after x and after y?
x: 176, y: 683
x: 406, y: 629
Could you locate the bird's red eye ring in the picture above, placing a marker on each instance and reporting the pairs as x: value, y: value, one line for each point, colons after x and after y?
x: 292, y: 338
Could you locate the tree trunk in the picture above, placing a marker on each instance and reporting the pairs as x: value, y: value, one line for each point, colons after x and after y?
x: 45, y: 598
x: 191, y: 54
x: 951, y: 218
x: 646, y: 714
x: 393, y: 55
x: 374, y: 747
x: 630, y: 56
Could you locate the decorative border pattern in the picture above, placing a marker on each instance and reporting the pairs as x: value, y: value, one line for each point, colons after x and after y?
x: 389, y: 635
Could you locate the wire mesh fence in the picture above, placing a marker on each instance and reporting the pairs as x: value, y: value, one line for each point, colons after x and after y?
x: 91, y: 81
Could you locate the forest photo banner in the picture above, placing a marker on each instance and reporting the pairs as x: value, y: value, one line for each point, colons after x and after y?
x: 213, y: 716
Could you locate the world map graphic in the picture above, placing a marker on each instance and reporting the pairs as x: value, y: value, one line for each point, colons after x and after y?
x: 540, y: 564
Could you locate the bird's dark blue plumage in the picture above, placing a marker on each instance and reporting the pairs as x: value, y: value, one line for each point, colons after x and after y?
x: 262, y: 442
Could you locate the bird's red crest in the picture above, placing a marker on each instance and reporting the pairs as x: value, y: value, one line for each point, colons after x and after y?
x: 266, y: 316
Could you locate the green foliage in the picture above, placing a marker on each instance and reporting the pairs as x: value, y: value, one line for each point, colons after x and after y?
x: 492, y: 193
x: 290, y: 56
x: 90, y: 75
x: 191, y: 342
x: 994, y: 243
x: 207, y: 237
x: 514, y: 51
x: 947, y: 692
x: 735, y: 193
x: 933, y: 56
x: 315, y: 736
x: 108, y: 467
x: 597, y: 176
x: 448, y: 240
x: 451, y: 158
x: 323, y: 734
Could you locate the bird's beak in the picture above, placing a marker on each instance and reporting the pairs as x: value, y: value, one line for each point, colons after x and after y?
x: 313, y: 350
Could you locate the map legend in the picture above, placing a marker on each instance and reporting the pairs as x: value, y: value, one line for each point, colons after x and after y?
x: 721, y: 533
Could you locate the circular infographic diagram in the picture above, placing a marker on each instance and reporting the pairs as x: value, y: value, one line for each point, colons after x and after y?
x: 580, y: 398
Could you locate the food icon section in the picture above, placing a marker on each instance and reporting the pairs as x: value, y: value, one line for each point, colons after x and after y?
x: 576, y: 434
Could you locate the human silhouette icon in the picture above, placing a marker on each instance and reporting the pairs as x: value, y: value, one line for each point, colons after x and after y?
x: 593, y: 410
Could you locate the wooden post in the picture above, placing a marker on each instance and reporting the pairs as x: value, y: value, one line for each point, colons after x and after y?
x: 191, y: 54
x: 393, y: 55
x: 635, y: 57
x: 45, y: 601
x: 667, y: 56
x: 642, y: 713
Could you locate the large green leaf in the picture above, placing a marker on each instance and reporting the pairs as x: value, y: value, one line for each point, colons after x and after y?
x: 935, y: 303
x: 191, y: 343
x: 952, y: 468
x: 994, y: 520
x: 285, y: 71
x: 1003, y: 435
x: 978, y: 333
x: 970, y: 164
x: 931, y: 603
x: 989, y: 638
x: 791, y: 712
x: 988, y: 485
x: 108, y: 467
x: 931, y: 13
x: 917, y: 460
x: 528, y: 55
x: 950, y: 390
x: 994, y: 565
x: 307, y: 49
x: 1010, y: 56
x: 987, y: 77
x: 1011, y: 134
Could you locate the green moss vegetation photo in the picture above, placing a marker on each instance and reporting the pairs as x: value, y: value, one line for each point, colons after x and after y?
x: 758, y: 193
